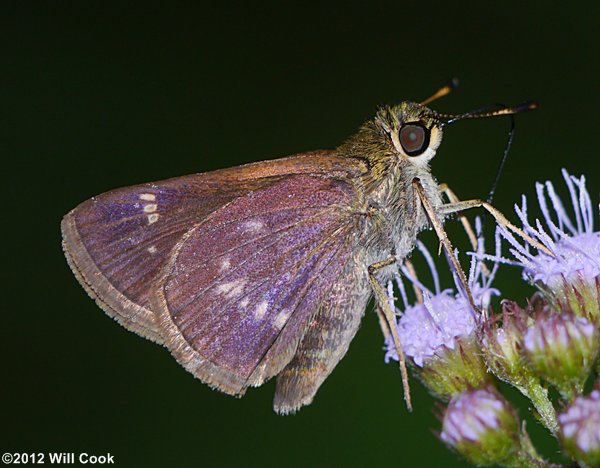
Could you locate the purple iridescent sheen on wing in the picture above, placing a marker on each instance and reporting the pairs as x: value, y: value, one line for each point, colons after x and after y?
x: 118, y: 242
x: 244, y: 283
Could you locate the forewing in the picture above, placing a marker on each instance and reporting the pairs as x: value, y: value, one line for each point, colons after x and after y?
x: 242, y: 285
x: 118, y: 242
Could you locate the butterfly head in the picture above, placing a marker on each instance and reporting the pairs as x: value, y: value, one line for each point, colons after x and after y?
x: 412, y: 130
x: 399, y: 136
x: 410, y: 133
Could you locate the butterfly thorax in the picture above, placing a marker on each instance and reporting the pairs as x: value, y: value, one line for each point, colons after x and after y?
x: 398, y: 215
x: 395, y: 215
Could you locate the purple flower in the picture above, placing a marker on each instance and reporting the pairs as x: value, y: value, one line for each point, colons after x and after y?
x: 438, y: 334
x: 572, y: 273
x: 444, y: 315
x: 482, y: 426
x: 580, y: 429
x: 435, y: 323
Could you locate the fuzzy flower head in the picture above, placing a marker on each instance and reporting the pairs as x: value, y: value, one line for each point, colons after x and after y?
x: 427, y: 326
x: 438, y: 334
x: 580, y: 429
x: 482, y: 426
x: 571, y: 275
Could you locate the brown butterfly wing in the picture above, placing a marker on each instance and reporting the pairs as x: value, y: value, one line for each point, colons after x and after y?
x: 325, y: 342
x: 117, y: 243
x: 243, y: 285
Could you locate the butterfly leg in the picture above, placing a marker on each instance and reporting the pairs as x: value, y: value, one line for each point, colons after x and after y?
x: 383, y: 324
x: 451, y: 196
x: 434, y: 218
x: 461, y: 217
x: 460, y: 206
x: 382, y: 304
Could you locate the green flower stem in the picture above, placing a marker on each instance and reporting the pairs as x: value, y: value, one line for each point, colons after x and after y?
x: 539, y: 397
x: 528, y: 457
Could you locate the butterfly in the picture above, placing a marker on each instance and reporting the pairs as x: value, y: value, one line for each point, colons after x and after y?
x: 264, y: 270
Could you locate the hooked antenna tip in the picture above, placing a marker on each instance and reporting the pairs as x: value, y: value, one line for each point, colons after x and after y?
x: 527, y: 106
x: 453, y: 82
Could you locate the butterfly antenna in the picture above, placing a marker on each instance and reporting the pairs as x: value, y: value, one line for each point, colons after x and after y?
x: 511, y: 136
x: 450, y: 85
x: 488, y: 111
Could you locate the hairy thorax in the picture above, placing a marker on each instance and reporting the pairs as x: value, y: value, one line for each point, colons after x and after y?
x: 397, y: 215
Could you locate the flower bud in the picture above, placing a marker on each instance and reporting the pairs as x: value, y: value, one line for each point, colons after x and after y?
x: 482, y: 426
x: 502, y: 344
x: 562, y: 349
x: 502, y: 347
x: 580, y: 429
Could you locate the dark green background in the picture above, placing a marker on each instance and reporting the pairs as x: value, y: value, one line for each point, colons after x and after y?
x: 95, y: 97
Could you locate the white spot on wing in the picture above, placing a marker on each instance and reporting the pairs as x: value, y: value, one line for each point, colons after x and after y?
x: 254, y: 226
x: 232, y: 289
x: 225, y: 265
x: 152, y: 218
x: 152, y: 249
x: 261, y: 310
x: 150, y: 207
x: 244, y: 302
x: 282, y: 318
x: 148, y: 197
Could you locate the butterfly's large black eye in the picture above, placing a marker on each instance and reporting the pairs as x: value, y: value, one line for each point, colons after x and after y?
x: 414, y: 138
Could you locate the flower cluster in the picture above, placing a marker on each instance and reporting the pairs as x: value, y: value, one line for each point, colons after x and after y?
x: 460, y: 349
x: 439, y: 333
